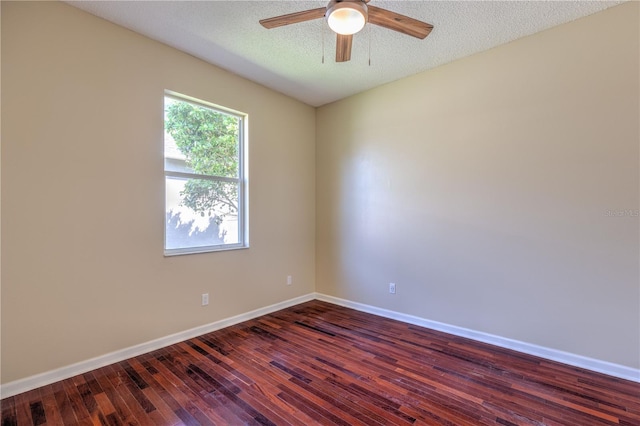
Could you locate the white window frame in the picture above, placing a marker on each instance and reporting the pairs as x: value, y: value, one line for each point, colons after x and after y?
x: 241, y: 180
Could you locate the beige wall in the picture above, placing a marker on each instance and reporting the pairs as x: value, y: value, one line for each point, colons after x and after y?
x: 481, y: 189
x: 83, y: 271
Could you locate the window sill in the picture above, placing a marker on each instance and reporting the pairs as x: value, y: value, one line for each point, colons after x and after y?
x: 211, y: 249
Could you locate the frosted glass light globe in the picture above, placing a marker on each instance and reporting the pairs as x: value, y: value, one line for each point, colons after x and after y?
x: 345, y: 19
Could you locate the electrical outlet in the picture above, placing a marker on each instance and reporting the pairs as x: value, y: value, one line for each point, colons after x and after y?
x: 392, y: 288
x: 289, y: 280
x: 205, y: 299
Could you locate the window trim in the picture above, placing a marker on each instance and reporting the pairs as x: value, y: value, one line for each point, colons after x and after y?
x: 241, y: 180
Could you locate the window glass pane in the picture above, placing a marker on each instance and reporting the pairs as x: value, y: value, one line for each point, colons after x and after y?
x: 200, y: 140
x: 200, y: 213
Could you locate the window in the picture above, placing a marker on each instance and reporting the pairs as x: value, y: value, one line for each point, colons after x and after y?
x: 205, y: 180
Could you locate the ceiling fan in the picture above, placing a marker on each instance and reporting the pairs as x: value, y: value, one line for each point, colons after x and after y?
x: 347, y: 17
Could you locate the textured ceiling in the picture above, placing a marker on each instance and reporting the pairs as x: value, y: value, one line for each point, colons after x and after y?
x: 289, y: 59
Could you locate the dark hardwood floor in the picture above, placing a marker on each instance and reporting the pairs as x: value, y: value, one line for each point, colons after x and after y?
x: 318, y: 363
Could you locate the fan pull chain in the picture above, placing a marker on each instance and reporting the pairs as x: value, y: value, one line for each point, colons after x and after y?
x: 323, y: 30
x: 369, y: 44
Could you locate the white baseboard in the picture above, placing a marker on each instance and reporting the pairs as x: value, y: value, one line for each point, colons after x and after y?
x: 43, y: 379
x: 611, y: 369
x: 33, y: 382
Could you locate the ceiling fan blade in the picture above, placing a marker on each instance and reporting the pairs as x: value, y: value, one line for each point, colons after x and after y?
x: 293, y: 18
x: 343, y: 47
x: 395, y: 21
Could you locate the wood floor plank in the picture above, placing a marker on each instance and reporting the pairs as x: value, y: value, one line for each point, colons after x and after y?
x: 320, y: 364
x: 23, y: 411
x: 121, y: 413
x: 51, y: 413
x: 63, y: 404
x: 9, y: 415
x: 265, y: 393
x: 166, y: 391
x: 170, y: 418
x: 113, y: 383
x: 192, y: 407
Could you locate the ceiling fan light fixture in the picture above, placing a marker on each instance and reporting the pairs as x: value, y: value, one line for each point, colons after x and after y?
x: 347, y: 17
